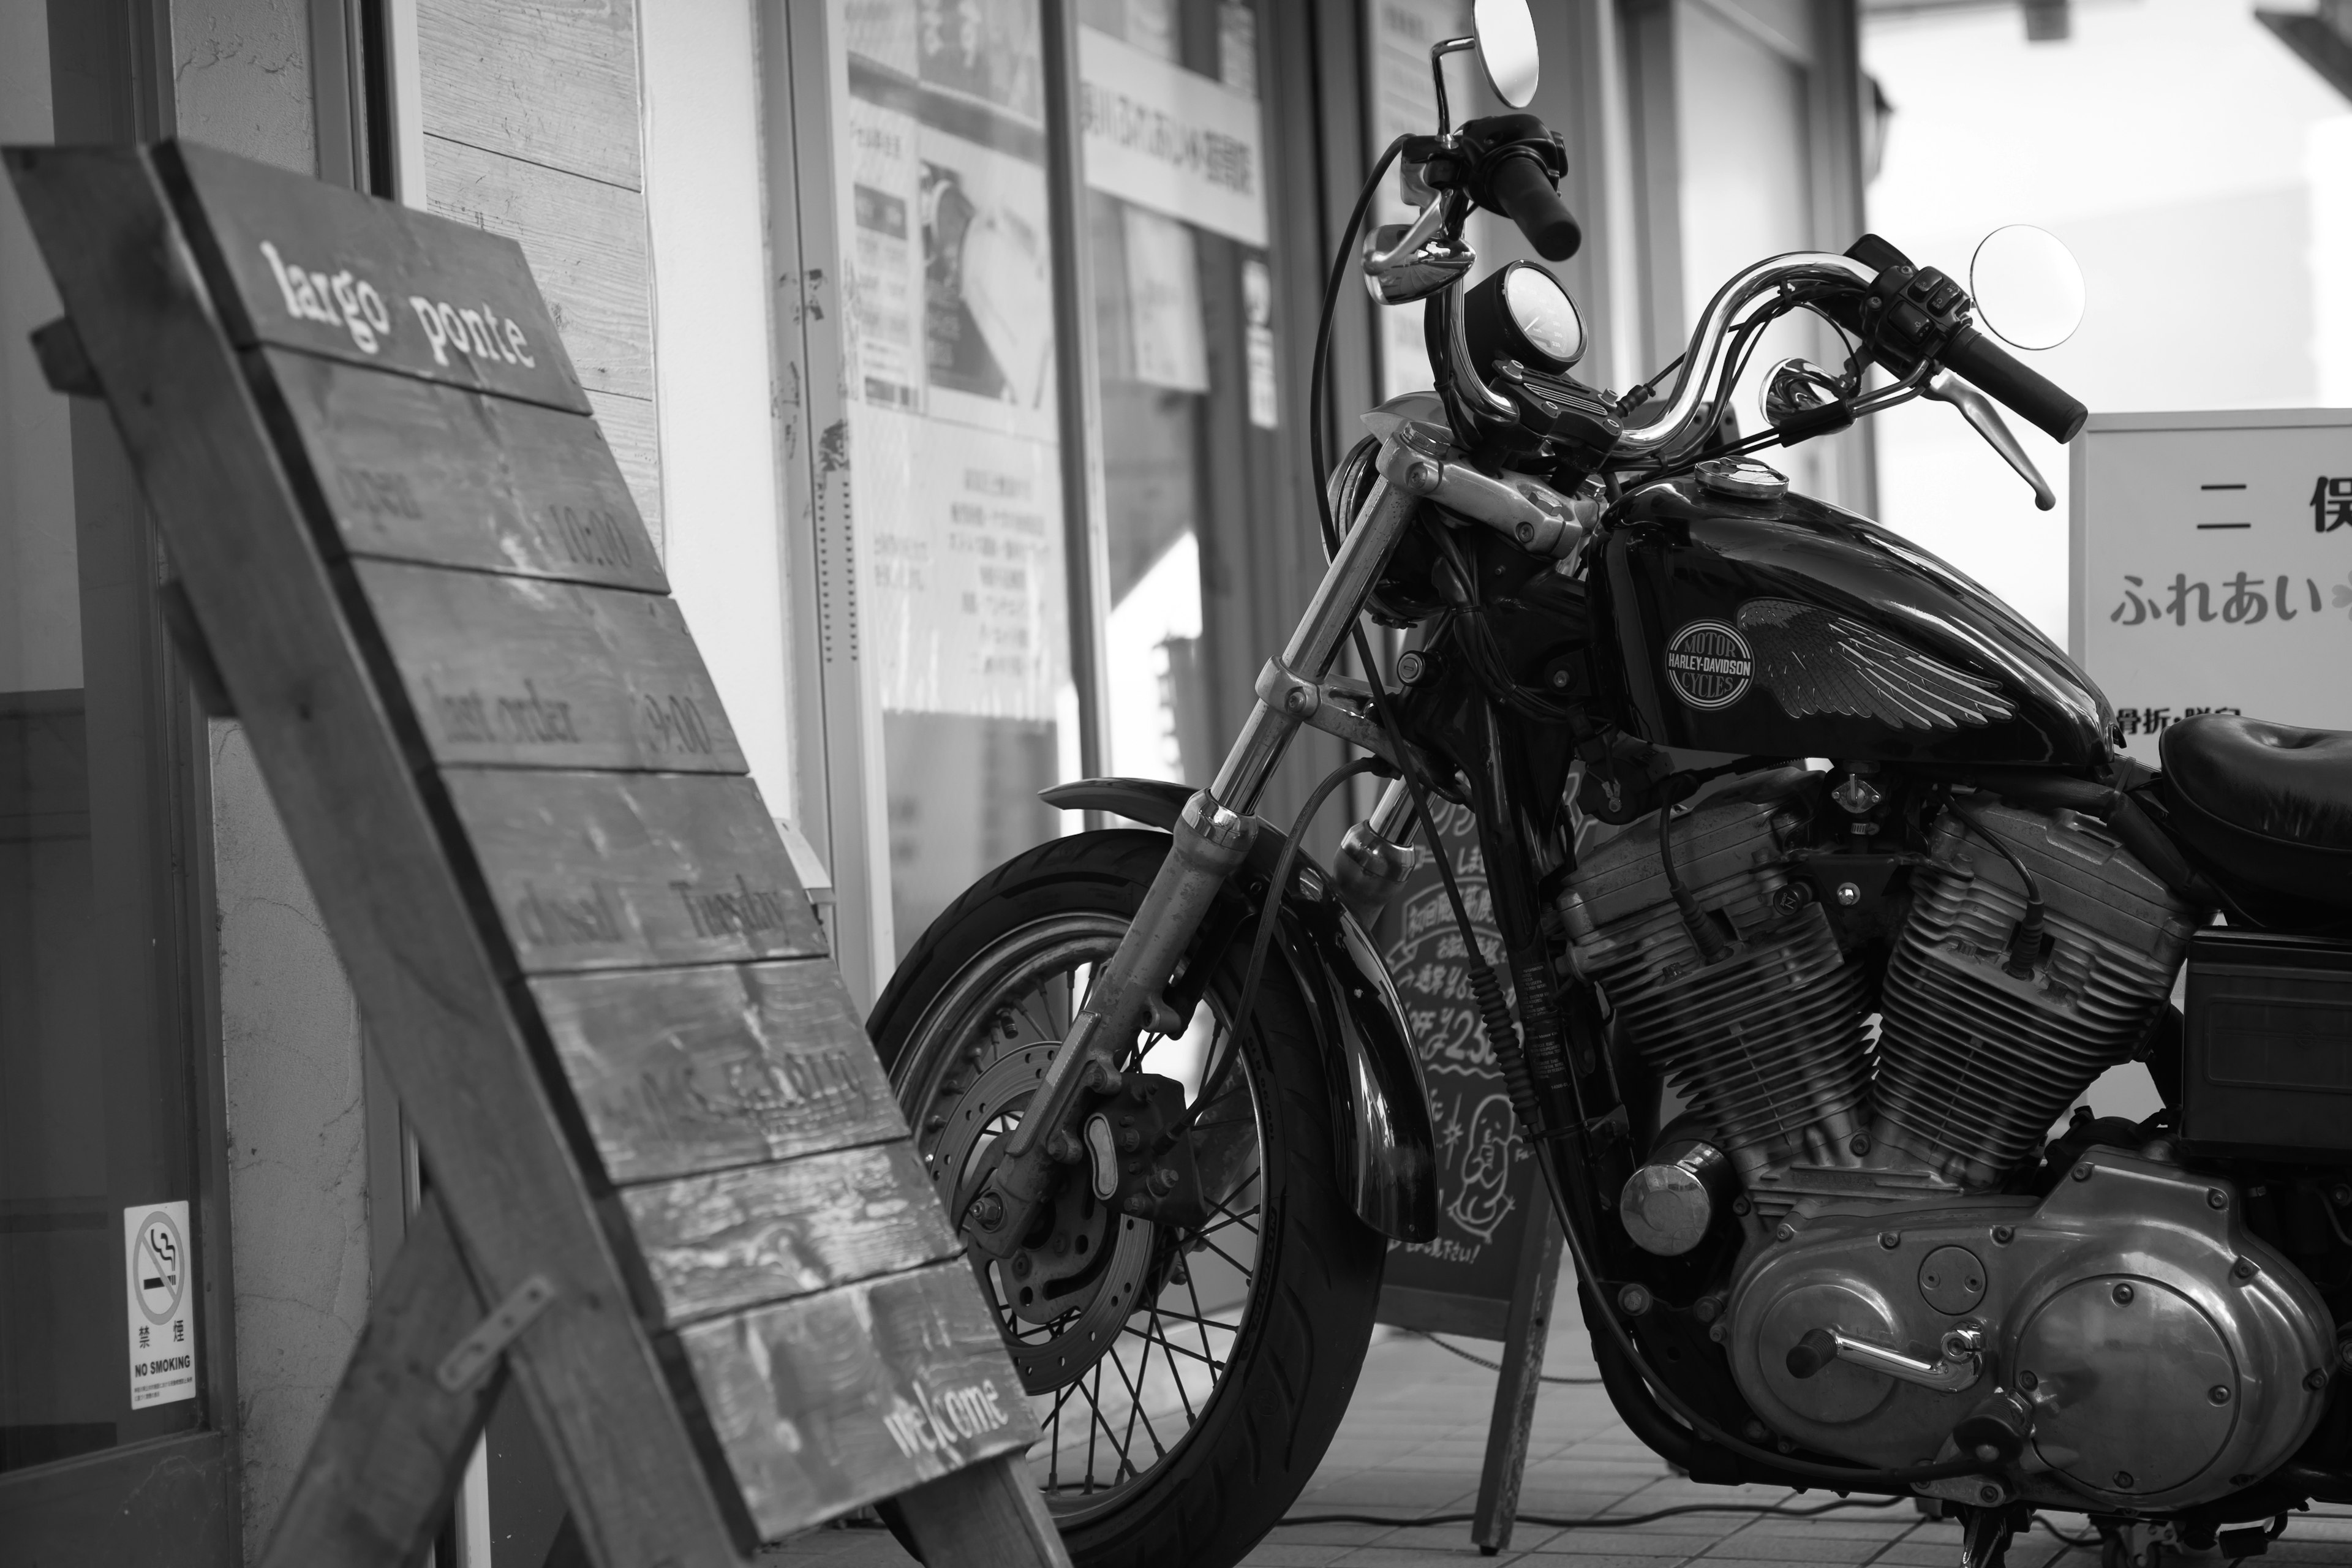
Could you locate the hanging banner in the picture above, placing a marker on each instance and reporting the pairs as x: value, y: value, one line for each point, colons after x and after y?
x: 1171, y: 139
x: 2213, y: 567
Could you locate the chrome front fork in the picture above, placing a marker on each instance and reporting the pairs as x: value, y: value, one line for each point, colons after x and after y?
x: 1213, y: 839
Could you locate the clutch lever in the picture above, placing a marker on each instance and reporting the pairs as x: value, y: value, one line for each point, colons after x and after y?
x: 1979, y: 411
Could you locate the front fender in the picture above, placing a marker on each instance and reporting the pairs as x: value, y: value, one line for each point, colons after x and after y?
x: 1387, y: 1150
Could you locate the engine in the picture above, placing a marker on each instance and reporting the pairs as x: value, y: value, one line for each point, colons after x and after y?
x: 2136, y: 1345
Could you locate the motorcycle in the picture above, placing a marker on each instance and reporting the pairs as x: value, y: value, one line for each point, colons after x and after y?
x: 1785, y: 1037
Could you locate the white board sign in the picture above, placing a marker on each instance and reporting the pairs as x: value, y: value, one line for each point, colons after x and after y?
x: 1171, y: 139
x: 2213, y: 567
x: 157, y: 1268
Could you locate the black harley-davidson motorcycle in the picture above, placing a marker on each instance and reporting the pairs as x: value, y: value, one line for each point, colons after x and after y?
x: 1165, y: 1086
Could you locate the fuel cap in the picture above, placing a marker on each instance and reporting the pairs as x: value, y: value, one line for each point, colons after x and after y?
x: 1743, y: 478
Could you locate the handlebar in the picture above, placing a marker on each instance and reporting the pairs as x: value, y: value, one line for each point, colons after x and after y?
x: 1999, y: 375
x: 1523, y: 191
x: 1679, y: 423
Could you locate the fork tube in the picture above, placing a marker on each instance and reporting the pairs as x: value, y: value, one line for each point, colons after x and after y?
x: 1266, y: 734
x: 1213, y: 838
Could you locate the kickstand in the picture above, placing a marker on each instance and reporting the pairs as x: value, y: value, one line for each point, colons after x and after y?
x: 1985, y: 1534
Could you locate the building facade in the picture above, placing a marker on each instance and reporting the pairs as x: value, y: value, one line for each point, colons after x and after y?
x: 957, y: 352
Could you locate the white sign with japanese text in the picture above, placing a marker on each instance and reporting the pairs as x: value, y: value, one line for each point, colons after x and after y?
x: 163, y: 1337
x: 1171, y: 139
x: 2213, y: 566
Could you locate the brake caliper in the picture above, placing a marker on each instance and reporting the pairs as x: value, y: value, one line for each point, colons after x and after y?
x: 1139, y: 1156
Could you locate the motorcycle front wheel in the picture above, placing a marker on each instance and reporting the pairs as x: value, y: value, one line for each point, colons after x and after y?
x: 1186, y: 1380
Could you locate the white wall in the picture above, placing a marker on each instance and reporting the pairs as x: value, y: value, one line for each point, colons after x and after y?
x: 711, y: 367
x: 2167, y: 143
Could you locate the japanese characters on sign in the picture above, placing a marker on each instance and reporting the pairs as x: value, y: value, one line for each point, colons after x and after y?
x: 2213, y: 567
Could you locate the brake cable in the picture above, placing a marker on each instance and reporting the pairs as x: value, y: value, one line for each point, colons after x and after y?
x: 1318, y: 373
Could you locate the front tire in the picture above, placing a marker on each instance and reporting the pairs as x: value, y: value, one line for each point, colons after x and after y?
x: 1187, y: 1383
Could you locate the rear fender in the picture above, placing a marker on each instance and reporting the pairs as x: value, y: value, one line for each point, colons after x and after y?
x: 1387, y: 1152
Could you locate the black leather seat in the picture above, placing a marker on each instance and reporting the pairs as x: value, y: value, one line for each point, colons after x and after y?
x: 2263, y: 804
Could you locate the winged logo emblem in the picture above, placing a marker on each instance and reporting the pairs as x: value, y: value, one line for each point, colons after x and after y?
x: 1814, y: 660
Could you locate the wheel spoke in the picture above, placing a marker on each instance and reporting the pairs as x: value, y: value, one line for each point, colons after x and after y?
x: 1094, y: 1420
x: 1200, y: 1323
x: 1202, y: 1237
x: 1135, y: 1410
x: 1175, y: 1372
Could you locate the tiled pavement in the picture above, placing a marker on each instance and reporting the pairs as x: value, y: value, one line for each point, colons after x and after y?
x: 1414, y: 1442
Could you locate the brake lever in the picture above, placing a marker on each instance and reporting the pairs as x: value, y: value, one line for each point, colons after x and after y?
x: 1979, y: 411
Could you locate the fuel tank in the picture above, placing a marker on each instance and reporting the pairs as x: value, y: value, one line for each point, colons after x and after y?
x: 1789, y: 628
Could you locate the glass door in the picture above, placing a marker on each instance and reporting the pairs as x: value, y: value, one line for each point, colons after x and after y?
x: 962, y: 582
x: 1186, y: 370
x: 110, y: 1330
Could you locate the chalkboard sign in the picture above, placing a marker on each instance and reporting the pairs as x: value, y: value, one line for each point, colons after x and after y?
x: 1461, y: 1280
x: 672, y: 1169
x: 1491, y: 1271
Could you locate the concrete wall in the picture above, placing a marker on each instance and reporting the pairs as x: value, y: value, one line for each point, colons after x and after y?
x: 290, y: 1028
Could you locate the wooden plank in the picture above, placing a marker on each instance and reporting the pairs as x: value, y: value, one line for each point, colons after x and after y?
x: 413, y: 470
x: 681, y: 1070
x: 988, y: 1515
x: 1441, y: 1312
x: 1516, y: 1385
x: 828, y: 1402
x: 631, y: 428
x: 404, y: 923
x: 555, y: 84
x: 330, y: 271
x: 587, y: 244
x: 522, y: 673
x: 391, y: 1449
x: 746, y: 1237
x: 617, y: 870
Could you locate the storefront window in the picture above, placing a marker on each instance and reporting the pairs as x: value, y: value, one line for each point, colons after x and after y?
x: 99, y: 1343
x: 955, y: 437
x: 1183, y: 295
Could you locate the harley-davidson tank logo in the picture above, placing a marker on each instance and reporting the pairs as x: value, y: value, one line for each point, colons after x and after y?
x: 1709, y: 664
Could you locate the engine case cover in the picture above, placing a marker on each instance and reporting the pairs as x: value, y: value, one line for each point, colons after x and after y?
x: 2170, y: 1356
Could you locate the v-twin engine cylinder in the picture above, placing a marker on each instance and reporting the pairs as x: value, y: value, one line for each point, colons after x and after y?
x: 1976, y: 1062
x: 1976, y: 1055
x: 1768, y: 1040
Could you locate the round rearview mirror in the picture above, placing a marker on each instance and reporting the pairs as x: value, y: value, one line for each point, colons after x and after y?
x: 2028, y: 287
x: 1506, y: 47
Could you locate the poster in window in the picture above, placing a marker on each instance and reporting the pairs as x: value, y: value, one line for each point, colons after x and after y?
x: 954, y: 441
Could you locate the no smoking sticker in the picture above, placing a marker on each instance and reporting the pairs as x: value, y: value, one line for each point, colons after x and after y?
x: 156, y: 1271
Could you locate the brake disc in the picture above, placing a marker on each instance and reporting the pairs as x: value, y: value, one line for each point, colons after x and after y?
x: 1080, y: 1271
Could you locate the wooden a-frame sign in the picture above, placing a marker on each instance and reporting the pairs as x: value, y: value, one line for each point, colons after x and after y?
x: 670, y: 1181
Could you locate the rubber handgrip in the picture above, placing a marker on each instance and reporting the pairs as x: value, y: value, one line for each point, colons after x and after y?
x: 1524, y: 192
x: 2000, y: 376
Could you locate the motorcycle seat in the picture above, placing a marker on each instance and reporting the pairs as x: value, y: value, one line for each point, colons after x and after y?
x: 2269, y: 804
